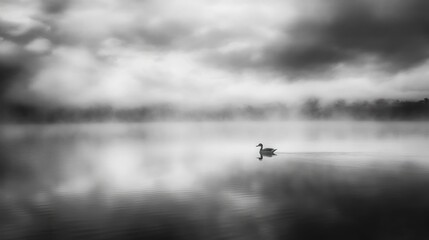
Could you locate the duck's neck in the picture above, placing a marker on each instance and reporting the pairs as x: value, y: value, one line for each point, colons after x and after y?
x: 261, y: 146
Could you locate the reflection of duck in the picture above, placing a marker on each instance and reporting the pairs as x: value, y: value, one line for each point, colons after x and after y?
x: 265, y: 152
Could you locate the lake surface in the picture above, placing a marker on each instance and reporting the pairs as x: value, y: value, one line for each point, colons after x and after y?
x: 329, y: 180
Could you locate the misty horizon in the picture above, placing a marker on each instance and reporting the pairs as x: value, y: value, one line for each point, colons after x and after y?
x: 311, y: 109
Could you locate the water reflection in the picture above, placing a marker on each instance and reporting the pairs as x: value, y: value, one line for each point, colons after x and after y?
x: 198, y: 181
x: 265, y: 154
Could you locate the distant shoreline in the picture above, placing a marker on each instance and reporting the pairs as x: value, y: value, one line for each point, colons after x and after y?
x: 312, y: 109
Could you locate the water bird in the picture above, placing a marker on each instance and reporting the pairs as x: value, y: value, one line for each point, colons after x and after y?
x: 266, y: 151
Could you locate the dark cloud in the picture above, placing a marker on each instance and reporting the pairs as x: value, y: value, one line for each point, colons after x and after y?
x: 7, y: 29
x: 7, y: 73
x: 394, y: 32
x: 15, y: 69
x: 163, y: 35
x: 10, y: 74
x: 55, y: 6
x: 20, y: 50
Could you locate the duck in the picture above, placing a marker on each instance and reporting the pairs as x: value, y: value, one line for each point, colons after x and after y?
x: 265, y: 151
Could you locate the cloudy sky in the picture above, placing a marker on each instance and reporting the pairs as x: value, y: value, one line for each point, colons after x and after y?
x: 212, y: 53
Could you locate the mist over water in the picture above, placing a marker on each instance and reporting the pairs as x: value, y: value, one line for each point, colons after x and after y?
x: 342, y: 180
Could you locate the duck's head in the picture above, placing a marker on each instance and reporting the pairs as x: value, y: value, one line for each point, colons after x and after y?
x: 259, y: 145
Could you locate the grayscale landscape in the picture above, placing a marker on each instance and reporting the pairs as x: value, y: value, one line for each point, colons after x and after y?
x: 198, y: 119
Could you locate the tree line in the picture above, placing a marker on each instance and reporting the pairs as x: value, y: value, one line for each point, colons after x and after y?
x: 315, y: 109
x: 380, y: 109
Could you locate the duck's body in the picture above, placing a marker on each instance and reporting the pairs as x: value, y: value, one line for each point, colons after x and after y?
x: 265, y: 150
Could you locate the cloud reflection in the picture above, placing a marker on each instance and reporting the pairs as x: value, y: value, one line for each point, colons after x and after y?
x: 193, y: 181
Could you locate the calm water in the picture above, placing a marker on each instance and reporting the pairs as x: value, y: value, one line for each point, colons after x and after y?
x: 334, y: 180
